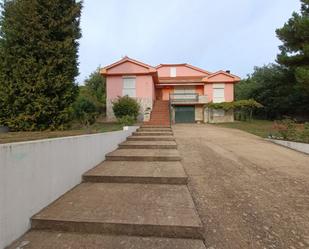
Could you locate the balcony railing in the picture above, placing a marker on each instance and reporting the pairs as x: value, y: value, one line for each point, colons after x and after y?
x: 183, y: 97
x: 187, y: 98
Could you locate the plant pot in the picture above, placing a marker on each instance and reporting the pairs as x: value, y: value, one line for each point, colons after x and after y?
x: 4, y: 129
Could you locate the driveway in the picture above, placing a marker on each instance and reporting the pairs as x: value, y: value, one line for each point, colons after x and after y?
x: 249, y: 193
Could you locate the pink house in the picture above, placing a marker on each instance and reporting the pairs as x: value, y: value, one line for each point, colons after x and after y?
x: 183, y: 88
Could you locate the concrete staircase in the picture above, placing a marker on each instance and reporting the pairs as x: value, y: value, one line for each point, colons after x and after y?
x: 137, y: 198
x: 160, y: 115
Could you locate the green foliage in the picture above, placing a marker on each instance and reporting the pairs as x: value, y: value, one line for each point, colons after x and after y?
x: 243, y: 108
x: 85, y: 111
x: 304, y: 136
x: 126, y: 106
x: 95, y: 90
x: 295, y: 48
x: 38, y: 62
x: 286, y: 128
x: 275, y: 87
x: 127, y: 120
x: 250, y: 103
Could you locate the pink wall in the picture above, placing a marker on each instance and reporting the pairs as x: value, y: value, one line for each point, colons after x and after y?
x: 144, y: 86
x: 113, y: 86
x: 208, y: 91
x: 228, y: 91
x: 180, y: 71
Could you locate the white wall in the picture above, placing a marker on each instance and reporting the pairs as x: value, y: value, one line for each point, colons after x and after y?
x: 33, y: 174
x: 302, y: 147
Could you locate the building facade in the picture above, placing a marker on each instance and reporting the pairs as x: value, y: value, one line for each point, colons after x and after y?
x: 186, y: 88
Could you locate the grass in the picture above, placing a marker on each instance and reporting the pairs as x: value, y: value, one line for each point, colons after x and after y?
x: 75, y: 130
x: 261, y: 128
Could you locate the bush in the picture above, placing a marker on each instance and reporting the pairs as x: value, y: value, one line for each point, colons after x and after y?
x: 85, y: 111
x: 126, y: 120
x: 286, y: 128
x: 126, y: 106
x: 304, y: 136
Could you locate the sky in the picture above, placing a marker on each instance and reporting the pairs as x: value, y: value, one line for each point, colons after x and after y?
x: 215, y: 35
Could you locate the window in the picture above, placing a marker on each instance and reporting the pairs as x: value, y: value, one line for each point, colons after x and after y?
x: 218, y: 93
x: 129, y: 87
x: 173, y: 71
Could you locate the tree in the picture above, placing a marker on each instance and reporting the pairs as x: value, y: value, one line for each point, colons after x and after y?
x: 38, y: 62
x: 96, y: 83
x: 274, y: 87
x: 94, y: 90
x: 85, y: 111
x: 295, y: 48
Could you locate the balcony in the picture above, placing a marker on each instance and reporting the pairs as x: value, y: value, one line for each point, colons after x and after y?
x: 187, y: 98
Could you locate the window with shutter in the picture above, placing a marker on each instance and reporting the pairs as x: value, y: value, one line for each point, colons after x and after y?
x: 218, y: 93
x: 129, y: 86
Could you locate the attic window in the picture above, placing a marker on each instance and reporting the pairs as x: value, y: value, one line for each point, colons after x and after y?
x: 173, y: 71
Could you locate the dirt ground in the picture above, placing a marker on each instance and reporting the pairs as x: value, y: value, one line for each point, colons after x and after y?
x: 249, y: 193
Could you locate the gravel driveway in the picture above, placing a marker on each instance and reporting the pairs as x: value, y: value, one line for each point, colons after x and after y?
x: 249, y: 193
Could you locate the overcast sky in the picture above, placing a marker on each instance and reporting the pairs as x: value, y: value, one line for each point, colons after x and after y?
x: 214, y: 35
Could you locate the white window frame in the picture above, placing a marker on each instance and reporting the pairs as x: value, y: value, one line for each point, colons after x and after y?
x: 129, y: 86
x: 186, y: 92
x: 218, y: 92
x: 173, y: 71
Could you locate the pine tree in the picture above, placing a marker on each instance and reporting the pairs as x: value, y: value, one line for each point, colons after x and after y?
x: 295, y: 48
x: 38, y: 62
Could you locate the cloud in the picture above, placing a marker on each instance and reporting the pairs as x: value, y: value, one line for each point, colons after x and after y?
x: 235, y: 35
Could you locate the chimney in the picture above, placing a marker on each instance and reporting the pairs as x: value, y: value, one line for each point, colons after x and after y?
x: 228, y: 71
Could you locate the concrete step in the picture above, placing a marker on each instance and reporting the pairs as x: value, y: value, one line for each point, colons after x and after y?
x: 143, y: 155
x: 152, y: 133
x: 156, y: 210
x: 148, y: 125
x: 155, y: 129
x: 151, y: 138
x: 148, y: 145
x: 66, y: 240
x: 137, y: 172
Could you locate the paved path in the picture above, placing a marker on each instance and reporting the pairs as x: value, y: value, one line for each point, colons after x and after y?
x: 249, y: 193
x: 138, y: 198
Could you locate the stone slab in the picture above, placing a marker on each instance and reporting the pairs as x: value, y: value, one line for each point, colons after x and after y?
x: 151, y: 138
x: 63, y: 240
x: 155, y: 129
x: 148, y: 145
x: 143, y: 155
x: 137, y: 172
x: 130, y: 209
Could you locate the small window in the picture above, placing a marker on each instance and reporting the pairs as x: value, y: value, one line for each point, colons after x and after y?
x: 129, y: 87
x: 173, y: 72
x: 218, y: 93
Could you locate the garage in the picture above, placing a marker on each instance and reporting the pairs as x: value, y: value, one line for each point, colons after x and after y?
x: 184, y: 114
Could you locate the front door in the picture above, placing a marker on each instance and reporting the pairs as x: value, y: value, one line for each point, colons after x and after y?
x: 184, y: 114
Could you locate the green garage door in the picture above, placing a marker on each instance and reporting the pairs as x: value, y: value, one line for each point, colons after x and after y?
x: 184, y: 114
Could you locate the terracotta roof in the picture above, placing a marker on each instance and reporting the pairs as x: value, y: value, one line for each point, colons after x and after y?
x: 125, y: 59
x: 233, y: 77
x: 186, y: 65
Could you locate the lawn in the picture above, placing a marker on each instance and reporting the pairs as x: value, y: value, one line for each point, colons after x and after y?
x: 260, y: 128
x: 74, y: 131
